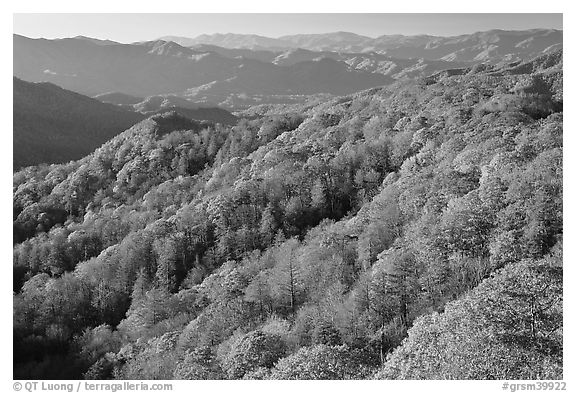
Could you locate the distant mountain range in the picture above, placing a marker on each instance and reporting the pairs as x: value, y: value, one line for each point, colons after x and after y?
x: 492, y: 45
x: 236, y: 71
x: 161, y: 67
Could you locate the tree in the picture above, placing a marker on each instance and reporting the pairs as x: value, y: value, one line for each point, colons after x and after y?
x: 166, y: 272
x: 94, y: 343
x: 103, y: 368
x: 285, y: 276
x: 509, y: 327
x: 268, y: 225
x: 326, y: 333
x: 466, y: 226
x: 66, y: 303
x: 253, y: 350
x: 318, y: 194
x: 401, y: 281
x: 321, y: 362
x: 199, y: 363
x: 258, y: 292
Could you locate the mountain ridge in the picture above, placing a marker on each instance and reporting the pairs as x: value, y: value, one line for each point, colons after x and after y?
x: 235, y: 78
x: 346, y: 41
x: 55, y: 125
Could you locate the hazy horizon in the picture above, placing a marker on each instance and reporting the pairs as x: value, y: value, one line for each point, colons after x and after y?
x: 145, y: 27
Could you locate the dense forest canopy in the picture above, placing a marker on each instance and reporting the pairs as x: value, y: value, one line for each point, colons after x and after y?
x: 407, y: 231
x: 54, y: 125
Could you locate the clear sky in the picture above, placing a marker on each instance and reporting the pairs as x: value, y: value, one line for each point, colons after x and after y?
x: 139, y: 27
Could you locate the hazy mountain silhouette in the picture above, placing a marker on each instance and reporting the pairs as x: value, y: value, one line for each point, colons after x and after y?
x: 235, y: 71
x: 141, y: 69
x: 330, y: 41
x: 161, y: 67
x: 230, y: 40
x: 492, y: 45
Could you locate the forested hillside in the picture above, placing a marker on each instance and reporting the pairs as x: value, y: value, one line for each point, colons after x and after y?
x: 406, y: 231
x: 55, y: 125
